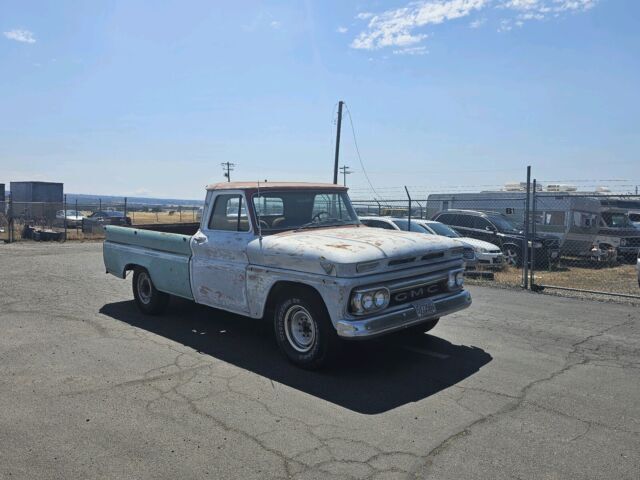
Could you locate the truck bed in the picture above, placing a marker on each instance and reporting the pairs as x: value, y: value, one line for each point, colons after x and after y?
x: 165, y: 256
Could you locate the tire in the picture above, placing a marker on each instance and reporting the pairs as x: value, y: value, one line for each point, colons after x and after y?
x: 420, y: 328
x: 304, y: 331
x: 148, y: 299
x: 512, y: 256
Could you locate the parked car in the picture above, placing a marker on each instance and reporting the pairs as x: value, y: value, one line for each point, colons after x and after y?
x: 296, y: 255
x: 73, y: 217
x: 638, y: 268
x: 570, y: 218
x: 487, y: 254
x: 498, y: 229
x: 403, y: 224
x: 618, y: 232
x: 97, y: 220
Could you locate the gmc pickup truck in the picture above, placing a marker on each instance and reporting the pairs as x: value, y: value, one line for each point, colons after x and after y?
x: 296, y: 255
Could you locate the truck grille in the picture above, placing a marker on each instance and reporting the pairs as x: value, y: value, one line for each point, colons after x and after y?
x: 417, y: 292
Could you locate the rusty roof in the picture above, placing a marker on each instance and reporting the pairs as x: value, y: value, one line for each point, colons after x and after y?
x: 273, y: 185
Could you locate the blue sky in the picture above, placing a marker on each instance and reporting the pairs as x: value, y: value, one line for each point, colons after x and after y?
x: 148, y: 98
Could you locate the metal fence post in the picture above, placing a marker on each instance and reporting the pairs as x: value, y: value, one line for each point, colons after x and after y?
x: 10, y: 238
x: 65, y: 217
x: 532, y: 270
x: 409, y: 213
x: 525, y: 242
x: 125, y: 208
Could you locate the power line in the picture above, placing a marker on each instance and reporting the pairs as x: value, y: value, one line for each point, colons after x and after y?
x: 355, y: 142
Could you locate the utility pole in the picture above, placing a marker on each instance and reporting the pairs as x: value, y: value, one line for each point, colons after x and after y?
x: 227, y: 168
x: 345, y: 171
x: 335, y: 165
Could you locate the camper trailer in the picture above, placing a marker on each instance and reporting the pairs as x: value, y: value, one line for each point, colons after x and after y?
x: 572, y: 219
x: 617, y: 228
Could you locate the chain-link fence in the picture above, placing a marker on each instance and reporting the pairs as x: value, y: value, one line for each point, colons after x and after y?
x: 572, y: 243
x: 77, y: 220
x: 599, y: 239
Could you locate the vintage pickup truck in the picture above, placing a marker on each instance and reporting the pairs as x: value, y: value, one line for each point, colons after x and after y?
x: 294, y: 254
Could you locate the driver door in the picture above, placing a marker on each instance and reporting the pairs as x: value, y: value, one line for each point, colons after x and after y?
x: 219, y: 262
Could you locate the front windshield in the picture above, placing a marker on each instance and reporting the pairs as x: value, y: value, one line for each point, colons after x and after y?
x: 277, y: 211
x: 442, y: 229
x: 617, y: 220
x: 503, y: 224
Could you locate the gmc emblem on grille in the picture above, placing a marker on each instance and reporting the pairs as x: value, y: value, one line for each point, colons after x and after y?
x: 416, y: 293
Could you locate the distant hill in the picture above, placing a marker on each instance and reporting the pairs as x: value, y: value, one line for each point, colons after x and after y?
x: 111, y: 199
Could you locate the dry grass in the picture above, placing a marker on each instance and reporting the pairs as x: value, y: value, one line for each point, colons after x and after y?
x: 615, y: 279
x: 140, y: 218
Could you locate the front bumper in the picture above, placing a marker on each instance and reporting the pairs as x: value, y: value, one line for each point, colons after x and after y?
x: 403, y: 318
x: 495, y: 260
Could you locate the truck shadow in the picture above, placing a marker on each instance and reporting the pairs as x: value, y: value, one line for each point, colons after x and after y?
x: 370, y: 378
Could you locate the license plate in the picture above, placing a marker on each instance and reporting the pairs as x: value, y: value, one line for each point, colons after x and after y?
x: 425, y: 308
x: 554, y: 254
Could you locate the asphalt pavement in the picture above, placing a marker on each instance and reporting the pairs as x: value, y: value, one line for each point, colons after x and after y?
x: 520, y: 385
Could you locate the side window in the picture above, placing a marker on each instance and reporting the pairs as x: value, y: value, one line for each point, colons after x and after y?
x: 554, y: 218
x: 464, y: 221
x: 446, y: 218
x: 480, y: 223
x: 229, y: 214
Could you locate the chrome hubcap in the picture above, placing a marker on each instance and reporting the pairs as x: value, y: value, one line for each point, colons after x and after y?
x: 144, y: 288
x: 512, y: 257
x: 300, y: 329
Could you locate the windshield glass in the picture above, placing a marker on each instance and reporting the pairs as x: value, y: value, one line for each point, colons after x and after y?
x: 442, y: 229
x: 502, y: 223
x: 278, y: 211
x: 617, y: 220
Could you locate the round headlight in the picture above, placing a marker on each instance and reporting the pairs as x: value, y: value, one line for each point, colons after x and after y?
x: 367, y: 301
x: 459, y: 279
x: 380, y: 298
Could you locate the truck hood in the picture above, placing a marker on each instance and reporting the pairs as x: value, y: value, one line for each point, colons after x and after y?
x: 338, y: 250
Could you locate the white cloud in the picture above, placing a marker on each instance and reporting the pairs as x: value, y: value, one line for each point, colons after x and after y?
x: 420, y: 50
x: 342, y: 29
x: 24, y: 36
x: 275, y: 24
x: 403, y: 28
x: 395, y: 28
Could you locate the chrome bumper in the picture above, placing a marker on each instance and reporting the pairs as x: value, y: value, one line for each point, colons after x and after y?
x: 399, y: 319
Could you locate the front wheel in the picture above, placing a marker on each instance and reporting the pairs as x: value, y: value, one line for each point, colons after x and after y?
x: 148, y: 299
x: 512, y: 256
x: 304, y: 331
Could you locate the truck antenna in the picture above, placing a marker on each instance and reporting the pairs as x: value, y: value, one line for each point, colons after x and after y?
x: 258, y: 216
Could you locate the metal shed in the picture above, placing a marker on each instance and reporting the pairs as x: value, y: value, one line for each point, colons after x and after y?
x: 36, y: 200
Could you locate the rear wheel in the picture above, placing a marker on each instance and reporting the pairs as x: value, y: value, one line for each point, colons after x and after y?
x: 148, y: 299
x: 512, y: 256
x: 304, y: 331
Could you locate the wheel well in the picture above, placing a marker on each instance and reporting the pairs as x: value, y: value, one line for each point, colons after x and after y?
x: 281, y: 288
x: 130, y: 266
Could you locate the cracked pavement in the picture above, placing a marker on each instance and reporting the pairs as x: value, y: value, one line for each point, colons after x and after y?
x: 520, y: 385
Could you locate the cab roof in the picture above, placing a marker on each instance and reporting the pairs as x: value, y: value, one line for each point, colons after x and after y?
x: 274, y: 186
